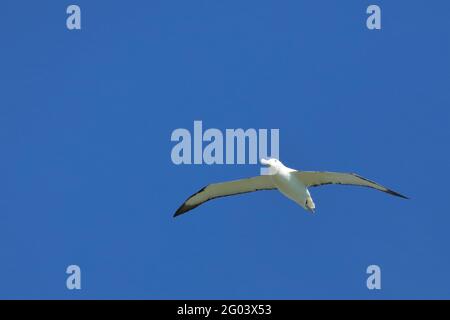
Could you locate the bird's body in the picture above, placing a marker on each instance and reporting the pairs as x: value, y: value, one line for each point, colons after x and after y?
x: 292, y: 187
x: 292, y: 183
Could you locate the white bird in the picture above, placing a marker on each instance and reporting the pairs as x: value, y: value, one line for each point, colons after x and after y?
x: 292, y: 183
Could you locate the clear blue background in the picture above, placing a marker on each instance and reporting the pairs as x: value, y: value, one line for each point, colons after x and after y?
x: 86, y: 176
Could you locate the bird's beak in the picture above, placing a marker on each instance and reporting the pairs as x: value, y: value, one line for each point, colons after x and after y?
x: 264, y: 162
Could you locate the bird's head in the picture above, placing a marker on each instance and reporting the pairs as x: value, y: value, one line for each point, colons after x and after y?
x: 273, y: 164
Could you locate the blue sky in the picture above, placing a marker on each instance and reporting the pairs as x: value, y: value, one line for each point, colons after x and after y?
x: 86, y: 174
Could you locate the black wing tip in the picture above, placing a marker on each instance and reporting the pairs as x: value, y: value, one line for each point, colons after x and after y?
x: 391, y: 192
x: 184, y: 207
x: 178, y: 212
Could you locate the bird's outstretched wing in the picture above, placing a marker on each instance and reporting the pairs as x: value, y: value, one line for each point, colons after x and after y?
x: 217, y: 190
x: 319, y: 178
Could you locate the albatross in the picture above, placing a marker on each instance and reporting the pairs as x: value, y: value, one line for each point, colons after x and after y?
x: 291, y: 183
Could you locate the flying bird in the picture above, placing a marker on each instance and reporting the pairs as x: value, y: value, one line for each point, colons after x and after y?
x: 292, y: 183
